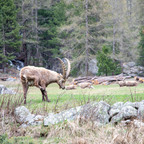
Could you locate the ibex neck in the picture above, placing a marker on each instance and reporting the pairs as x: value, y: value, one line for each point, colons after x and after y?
x: 53, y: 76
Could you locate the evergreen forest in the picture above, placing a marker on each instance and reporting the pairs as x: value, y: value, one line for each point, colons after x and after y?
x: 37, y: 31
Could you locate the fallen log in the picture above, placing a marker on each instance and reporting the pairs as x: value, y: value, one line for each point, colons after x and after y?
x: 128, y: 83
x: 100, y: 80
x: 70, y: 87
x: 3, y: 78
x: 85, y: 78
x: 139, y: 79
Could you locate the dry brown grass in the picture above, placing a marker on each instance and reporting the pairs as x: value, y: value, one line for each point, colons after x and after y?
x: 84, y: 133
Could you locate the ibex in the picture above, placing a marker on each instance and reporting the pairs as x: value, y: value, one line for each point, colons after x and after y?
x: 42, y: 77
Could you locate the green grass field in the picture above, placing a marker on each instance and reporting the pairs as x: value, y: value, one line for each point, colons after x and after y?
x: 64, y: 99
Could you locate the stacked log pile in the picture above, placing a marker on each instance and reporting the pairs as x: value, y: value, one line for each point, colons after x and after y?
x: 3, y: 78
x: 139, y: 79
x: 106, y: 80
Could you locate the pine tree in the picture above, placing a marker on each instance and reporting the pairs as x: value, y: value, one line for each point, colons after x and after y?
x: 9, y: 31
x: 106, y: 64
x: 49, y: 20
x: 141, y: 47
x: 81, y: 34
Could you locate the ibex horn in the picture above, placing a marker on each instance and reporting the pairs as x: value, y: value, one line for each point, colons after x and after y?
x: 63, y: 67
x: 68, y: 68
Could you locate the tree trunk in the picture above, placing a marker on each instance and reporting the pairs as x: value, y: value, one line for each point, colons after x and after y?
x: 4, y: 48
x: 36, y: 32
x: 114, y: 24
x: 86, y: 38
x: 24, y: 46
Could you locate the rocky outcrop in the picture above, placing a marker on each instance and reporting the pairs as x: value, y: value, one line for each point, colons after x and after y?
x: 62, y: 116
x: 131, y: 69
x: 24, y: 117
x: 99, y: 113
x: 4, y: 90
x: 93, y: 68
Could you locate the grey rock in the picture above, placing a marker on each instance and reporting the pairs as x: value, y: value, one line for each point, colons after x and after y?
x: 131, y: 69
x: 21, y: 114
x: 93, y: 68
x: 24, y: 117
x: 133, y: 104
x: 141, y: 68
x: 117, y: 118
x: 141, y: 111
x: 118, y: 105
x: 141, y: 103
x: 125, y: 66
x: 96, y: 112
x: 134, y: 70
x: 113, y: 112
x: 126, y: 112
x: 62, y: 116
x: 131, y: 64
x: 125, y: 122
x: 4, y: 90
x: 138, y: 123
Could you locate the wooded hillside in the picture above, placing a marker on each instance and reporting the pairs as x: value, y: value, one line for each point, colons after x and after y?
x: 38, y: 31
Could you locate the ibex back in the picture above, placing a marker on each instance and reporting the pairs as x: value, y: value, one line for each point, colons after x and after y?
x: 41, y: 78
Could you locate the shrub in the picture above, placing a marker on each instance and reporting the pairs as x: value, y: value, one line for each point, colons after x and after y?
x: 107, y: 66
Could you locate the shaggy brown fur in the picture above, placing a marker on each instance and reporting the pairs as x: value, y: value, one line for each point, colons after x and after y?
x: 41, y: 78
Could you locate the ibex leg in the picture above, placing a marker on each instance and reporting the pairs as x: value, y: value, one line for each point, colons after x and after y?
x: 45, y: 94
x: 25, y: 89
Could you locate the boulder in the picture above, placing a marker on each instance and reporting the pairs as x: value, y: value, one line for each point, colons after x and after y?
x: 133, y: 104
x: 138, y: 123
x: 96, y: 112
x: 70, y: 114
x: 24, y: 117
x: 141, y: 111
x: 93, y: 68
x: 117, y: 105
x: 114, y: 111
x: 99, y: 113
x: 131, y: 69
x: 4, y: 90
x: 131, y: 64
x: 21, y: 114
x: 126, y: 112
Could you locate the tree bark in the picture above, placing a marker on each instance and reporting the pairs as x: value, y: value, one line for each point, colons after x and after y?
x: 36, y: 32
x: 86, y: 38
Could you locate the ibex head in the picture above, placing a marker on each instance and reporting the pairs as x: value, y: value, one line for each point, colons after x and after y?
x: 62, y: 78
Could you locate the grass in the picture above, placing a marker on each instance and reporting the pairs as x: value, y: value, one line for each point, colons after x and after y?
x: 67, y: 132
x: 64, y: 99
x: 71, y: 98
